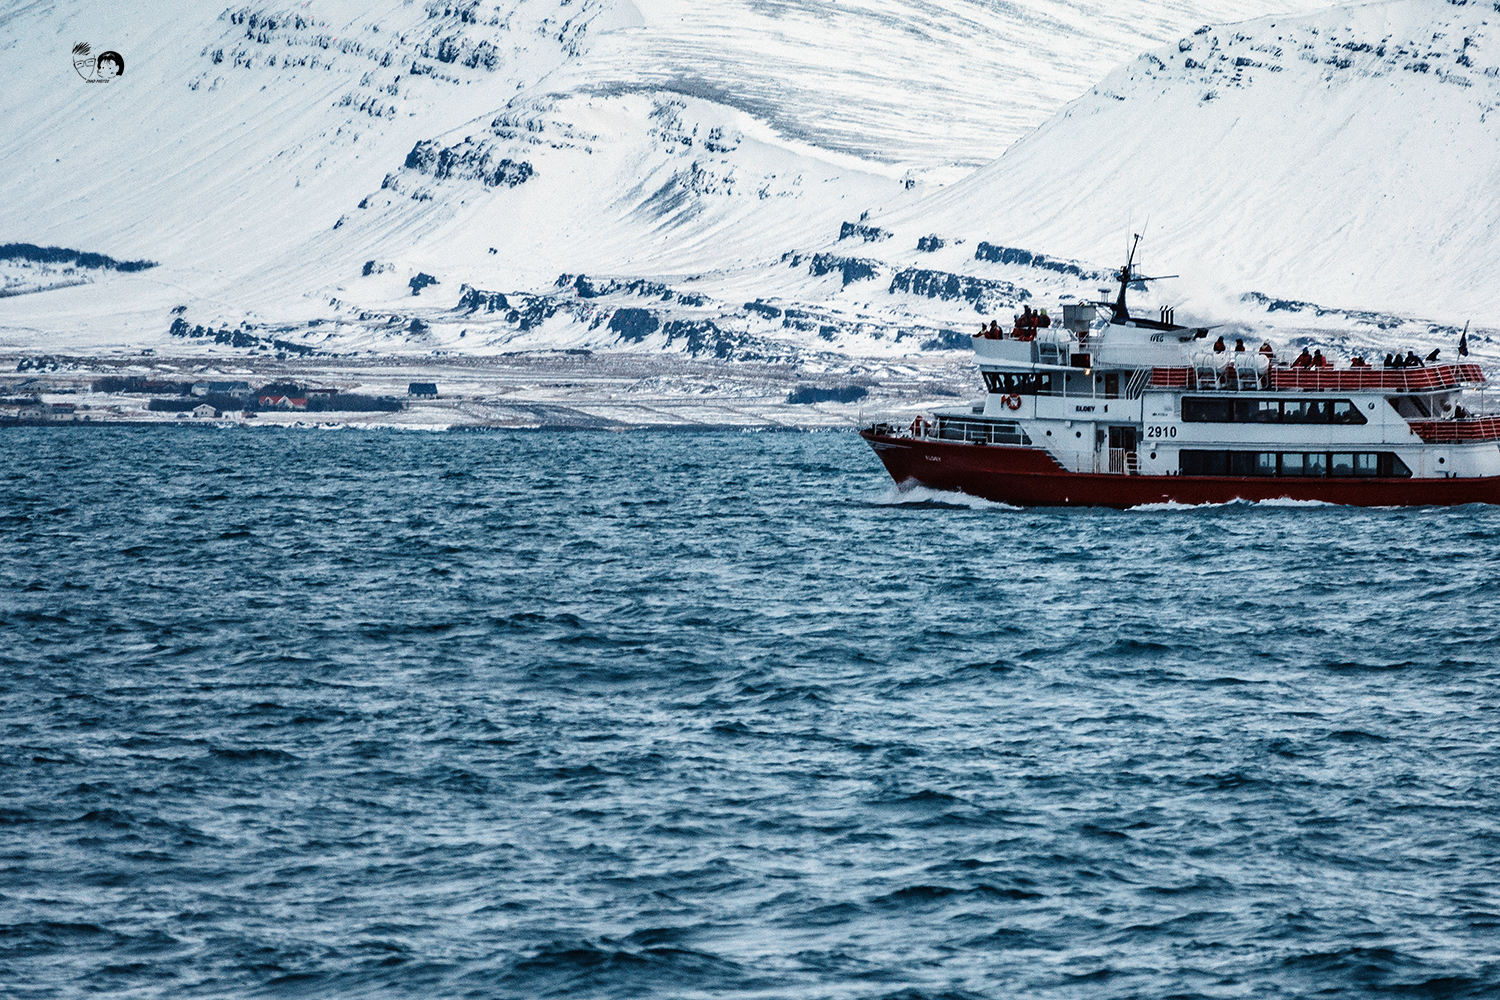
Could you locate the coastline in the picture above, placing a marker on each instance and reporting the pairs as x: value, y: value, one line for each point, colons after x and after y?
x: 533, y: 390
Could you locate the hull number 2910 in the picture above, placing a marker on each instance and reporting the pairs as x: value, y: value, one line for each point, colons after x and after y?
x: 1161, y: 432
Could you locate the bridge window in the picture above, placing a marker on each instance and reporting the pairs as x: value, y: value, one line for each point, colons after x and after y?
x: 1018, y: 383
x: 1345, y: 412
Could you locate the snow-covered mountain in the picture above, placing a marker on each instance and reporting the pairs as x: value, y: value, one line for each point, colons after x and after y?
x: 739, y: 178
x: 1351, y: 158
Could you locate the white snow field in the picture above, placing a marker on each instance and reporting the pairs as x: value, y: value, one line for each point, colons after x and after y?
x: 742, y: 179
x: 1351, y: 158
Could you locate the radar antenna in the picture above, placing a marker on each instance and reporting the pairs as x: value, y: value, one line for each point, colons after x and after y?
x: 1126, y: 278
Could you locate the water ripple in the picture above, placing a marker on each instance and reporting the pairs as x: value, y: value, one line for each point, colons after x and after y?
x: 724, y: 715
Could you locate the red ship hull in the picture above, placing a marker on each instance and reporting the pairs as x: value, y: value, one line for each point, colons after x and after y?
x: 1029, y: 477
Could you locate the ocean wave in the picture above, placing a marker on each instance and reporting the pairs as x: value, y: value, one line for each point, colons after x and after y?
x: 663, y: 715
x: 921, y: 496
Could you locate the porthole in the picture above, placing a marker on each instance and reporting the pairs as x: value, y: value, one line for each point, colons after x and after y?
x: 1078, y: 434
x: 1049, y: 433
x: 1372, y: 406
x: 1442, y: 461
x: 1153, y: 454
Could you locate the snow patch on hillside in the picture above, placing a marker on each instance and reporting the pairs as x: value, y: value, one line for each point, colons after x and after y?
x: 1349, y: 158
x: 744, y: 180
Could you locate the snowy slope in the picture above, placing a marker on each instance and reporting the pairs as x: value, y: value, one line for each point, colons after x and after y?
x: 738, y: 177
x: 1350, y: 158
x: 926, y: 85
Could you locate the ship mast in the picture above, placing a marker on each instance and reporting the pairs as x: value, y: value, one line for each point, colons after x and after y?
x: 1121, y: 314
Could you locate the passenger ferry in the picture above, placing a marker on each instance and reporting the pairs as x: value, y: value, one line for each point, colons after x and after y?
x: 1133, y: 411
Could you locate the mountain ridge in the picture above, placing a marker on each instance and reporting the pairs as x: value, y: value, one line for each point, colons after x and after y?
x: 315, y: 160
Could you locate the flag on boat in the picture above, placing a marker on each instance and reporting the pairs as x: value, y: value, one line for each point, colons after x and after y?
x: 1463, y: 342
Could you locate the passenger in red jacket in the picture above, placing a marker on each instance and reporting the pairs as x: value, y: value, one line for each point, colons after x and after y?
x: 1026, y: 324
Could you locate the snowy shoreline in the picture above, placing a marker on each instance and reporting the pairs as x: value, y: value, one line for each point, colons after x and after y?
x: 556, y: 390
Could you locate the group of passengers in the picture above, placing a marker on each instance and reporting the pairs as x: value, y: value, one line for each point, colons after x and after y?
x: 1316, y: 360
x: 1411, y: 360
x: 1025, y: 328
x: 1239, y: 347
x: 1028, y: 322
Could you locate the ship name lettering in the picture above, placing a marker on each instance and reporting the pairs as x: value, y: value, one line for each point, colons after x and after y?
x: 1083, y: 409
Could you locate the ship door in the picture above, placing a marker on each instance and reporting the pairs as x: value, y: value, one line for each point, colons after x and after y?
x: 1122, y: 454
x: 1112, y: 388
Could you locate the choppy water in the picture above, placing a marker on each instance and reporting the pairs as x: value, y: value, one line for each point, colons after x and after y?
x: 720, y: 715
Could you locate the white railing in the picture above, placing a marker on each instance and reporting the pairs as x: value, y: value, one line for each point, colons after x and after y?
x: 981, y: 431
x: 924, y: 427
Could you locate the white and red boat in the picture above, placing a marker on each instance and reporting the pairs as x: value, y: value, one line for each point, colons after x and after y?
x: 1138, y: 411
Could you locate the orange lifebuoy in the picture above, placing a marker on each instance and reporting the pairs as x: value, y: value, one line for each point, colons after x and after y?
x: 1012, y: 401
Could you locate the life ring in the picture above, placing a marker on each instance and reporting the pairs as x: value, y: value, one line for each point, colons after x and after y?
x: 1012, y: 401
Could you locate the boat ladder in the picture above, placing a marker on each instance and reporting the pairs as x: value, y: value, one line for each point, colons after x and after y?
x: 1124, y: 461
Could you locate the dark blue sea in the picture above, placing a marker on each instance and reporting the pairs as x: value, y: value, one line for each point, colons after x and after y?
x: 528, y: 714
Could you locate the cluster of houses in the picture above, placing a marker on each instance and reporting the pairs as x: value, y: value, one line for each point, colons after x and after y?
x: 36, y: 411
x: 417, y: 390
x: 219, y: 399
x: 221, y: 389
x: 241, y: 391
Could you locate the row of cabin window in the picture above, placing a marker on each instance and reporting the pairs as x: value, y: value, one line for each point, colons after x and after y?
x: 1195, y: 409
x: 1285, y: 463
x: 1027, y: 384
x: 1270, y: 411
x: 1051, y: 383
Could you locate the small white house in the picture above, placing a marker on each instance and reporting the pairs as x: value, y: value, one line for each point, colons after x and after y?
x: 204, y: 410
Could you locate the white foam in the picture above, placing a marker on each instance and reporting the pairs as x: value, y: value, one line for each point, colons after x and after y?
x: 1175, y: 506
x: 898, y: 496
x: 1289, y: 502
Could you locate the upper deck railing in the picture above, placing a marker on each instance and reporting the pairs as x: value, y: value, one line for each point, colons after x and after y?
x: 1425, y: 379
x: 1430, y: 378
x: 1457, y: 431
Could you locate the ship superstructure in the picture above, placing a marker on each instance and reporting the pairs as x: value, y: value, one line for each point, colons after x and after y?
x: 1127, y: 410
